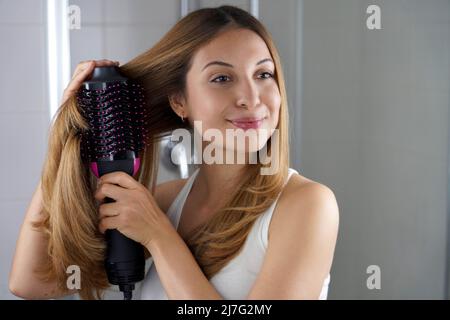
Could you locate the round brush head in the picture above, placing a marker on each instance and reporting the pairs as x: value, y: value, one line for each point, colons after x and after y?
x: 115, y: 110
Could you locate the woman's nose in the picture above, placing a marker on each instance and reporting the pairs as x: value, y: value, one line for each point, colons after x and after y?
x: 248, y: 94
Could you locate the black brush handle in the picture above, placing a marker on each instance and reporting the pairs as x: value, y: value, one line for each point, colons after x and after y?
x: 125, y: 259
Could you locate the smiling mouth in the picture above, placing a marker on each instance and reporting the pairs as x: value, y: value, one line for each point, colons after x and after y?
x: 245, y: 125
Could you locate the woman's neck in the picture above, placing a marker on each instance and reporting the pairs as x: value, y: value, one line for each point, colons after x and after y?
x: 217, y: 181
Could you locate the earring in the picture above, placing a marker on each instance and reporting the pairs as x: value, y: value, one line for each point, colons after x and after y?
x: 182, y: 118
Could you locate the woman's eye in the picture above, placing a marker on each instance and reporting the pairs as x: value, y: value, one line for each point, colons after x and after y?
x: 268, y: 75
x: 220, y: 78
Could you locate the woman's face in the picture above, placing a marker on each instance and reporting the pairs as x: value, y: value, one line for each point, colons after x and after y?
x: 230, y: 79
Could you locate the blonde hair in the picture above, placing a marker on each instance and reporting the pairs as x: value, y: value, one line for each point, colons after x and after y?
x: 69, y: 208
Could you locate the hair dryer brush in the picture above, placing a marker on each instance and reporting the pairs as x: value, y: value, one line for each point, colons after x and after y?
x: 114, y: 107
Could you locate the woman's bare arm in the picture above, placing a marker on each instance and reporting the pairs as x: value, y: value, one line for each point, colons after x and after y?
x: 31, y: 247
x: 30, y: 254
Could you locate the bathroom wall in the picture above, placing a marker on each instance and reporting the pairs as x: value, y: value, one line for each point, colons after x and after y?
x: 375, y: 129
x: 24, y: 118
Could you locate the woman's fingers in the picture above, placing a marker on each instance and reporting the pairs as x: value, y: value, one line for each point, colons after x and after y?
x: 120, y: 178
x: 82, y: 72
x: 79, y: 76
x: 108, y: 190
x: 105, y: 62
x: 82, y: 66
x: 84, y: 69
x: 108, y: 223
x: 98, y: 63
x: 108, y: 210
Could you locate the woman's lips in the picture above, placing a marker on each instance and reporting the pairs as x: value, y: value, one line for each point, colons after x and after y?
x: 247, y: 124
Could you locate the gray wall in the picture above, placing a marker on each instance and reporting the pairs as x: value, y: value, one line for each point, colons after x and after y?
x: 24, y: 118
x: 375, y: 129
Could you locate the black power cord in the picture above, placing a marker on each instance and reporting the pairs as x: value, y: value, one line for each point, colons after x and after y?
x: 127, y: 290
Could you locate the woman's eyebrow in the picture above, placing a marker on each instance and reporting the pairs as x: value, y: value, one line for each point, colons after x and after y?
x: 221, y: 63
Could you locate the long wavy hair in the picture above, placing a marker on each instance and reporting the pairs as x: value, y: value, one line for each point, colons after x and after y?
x: 69, y: 208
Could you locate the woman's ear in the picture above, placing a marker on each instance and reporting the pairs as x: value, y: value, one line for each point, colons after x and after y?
x: 177, y: 103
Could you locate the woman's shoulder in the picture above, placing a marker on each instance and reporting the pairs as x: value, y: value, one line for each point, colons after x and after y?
x: 303, y: 193
x: 304, y: 189
x: 166, y: 192
x: 300, y: 198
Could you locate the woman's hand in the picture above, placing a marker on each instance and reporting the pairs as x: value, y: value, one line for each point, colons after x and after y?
x: 134, y: 213
x: 82, y: 72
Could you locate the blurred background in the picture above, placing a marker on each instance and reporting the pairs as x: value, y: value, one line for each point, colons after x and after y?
x: 368, y: 113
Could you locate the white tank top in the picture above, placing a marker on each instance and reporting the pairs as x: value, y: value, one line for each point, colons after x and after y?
x: 235, y: 280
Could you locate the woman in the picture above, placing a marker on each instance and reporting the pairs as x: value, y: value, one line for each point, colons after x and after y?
x: 227, y: 232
